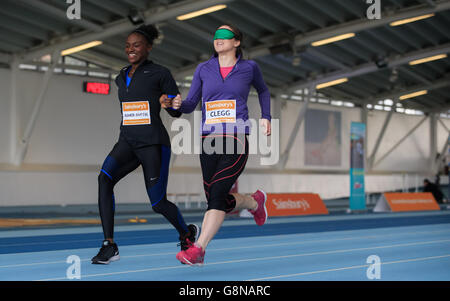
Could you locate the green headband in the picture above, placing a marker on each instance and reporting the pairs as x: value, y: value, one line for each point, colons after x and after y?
x: 223, y: 34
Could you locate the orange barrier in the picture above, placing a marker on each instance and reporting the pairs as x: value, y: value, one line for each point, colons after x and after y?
x: 399, y: 202
x: 287, y: 204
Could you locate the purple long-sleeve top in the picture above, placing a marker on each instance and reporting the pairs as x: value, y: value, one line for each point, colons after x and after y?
x: 209, y: 86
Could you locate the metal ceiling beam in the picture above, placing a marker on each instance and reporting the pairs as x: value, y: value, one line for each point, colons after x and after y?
x: 369, y: 67
x: 444, y: 82
x: 180, y: 41
x: 431, y: 3
x: 200, y: 33
x: 308, y: 15
x: 114, y: 7
x: 29, y: 16
x: 153, y: 15
x: 282, y: 67
x: 249, y: 12
x: 59, y: 14
x: 365, y: 24
x: 332, y: 12
x: 283, y: 16
x: 414, y: 75
x: 23, y: 28
x: 136, y: 3
x: 326, y: 59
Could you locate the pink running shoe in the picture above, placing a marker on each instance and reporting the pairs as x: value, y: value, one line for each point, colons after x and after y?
x: 260, y: 214
x: 194, y: 255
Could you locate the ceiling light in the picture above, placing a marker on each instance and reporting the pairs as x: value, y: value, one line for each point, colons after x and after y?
x: 333, y: 39
x: 201, y: 12
x: 81, y: 47
x: 415, y: 94
x: 331, y: 83
x: 428, y: 59
x: 409, y: 20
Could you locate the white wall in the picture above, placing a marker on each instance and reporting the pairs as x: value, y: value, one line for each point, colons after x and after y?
x: 75, y: 131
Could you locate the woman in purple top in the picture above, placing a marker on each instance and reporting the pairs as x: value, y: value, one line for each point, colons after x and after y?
x: 223, y: 84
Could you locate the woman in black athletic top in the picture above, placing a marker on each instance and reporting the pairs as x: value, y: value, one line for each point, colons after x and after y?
x: 143, y: 141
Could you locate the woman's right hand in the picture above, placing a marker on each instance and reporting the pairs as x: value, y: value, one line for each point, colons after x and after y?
x: 176, y: 102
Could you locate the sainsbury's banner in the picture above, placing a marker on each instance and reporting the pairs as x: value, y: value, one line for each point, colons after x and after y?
x: 287, y: 204
x: 397, y: 202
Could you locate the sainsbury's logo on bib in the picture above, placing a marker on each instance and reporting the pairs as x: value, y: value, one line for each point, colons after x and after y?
x: 136, y: 113
x: 220, y: 111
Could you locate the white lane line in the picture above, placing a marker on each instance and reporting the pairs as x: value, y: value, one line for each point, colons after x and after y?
x: 236, y: 248
x: 349, y: 268
x: 262, y: 259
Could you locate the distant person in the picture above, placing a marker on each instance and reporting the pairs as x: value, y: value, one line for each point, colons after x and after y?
x: 434, y: 189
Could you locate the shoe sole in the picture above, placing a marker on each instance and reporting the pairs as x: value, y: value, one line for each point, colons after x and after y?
x: 264, y: 204
x: 114, y: 258
x: 192, y: 264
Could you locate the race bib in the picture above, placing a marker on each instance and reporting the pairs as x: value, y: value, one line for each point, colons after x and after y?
x: 136, y: 113
x: 220, y: 111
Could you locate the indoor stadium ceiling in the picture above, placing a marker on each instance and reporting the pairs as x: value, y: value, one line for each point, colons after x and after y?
x: 372, y: 63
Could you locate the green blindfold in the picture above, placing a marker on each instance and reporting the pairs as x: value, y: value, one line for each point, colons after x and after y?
x: 223, y: 34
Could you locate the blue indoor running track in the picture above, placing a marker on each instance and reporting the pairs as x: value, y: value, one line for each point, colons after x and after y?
x: 409, y: 246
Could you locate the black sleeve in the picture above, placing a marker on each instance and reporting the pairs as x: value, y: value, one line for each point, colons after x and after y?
x: 169, y: 86
x: 167, y: 83
x: 174, y: 113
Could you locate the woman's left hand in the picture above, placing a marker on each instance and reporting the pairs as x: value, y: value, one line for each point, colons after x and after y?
x: 265, y: 123
x: 165, y: 101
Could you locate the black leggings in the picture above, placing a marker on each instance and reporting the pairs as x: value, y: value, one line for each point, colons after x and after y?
x: 221, y: 168
x: 123, y: 159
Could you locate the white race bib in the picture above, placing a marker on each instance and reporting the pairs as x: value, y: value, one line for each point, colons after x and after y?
x: 136, y: 113
x: 220, y: 111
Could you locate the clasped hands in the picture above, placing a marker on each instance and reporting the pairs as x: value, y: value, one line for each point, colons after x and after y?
x: 167, y: 102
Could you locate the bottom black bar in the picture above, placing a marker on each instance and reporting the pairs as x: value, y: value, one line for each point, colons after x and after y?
x: 213, y: 290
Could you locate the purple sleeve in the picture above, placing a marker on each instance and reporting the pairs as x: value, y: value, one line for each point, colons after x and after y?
x: 263, y: 92
x: 195, y: 94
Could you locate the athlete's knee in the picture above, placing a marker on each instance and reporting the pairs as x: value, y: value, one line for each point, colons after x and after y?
x: 222, y: 203
x: 104, y: 178
x: 160, y: 206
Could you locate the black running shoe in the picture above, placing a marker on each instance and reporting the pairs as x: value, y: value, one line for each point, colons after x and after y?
x: 189, y: 239
x: 108, y: 252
